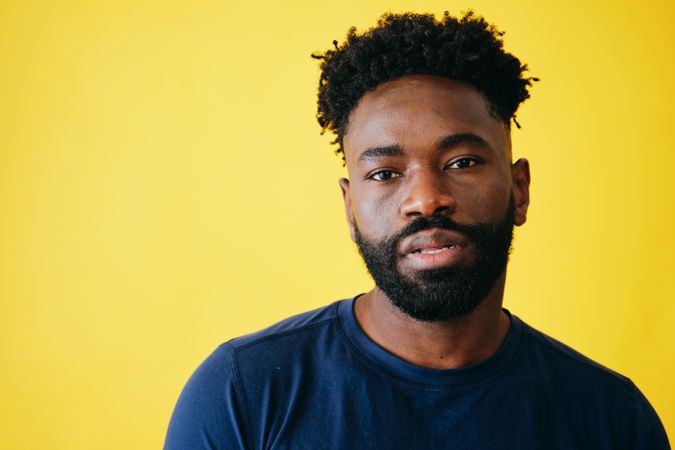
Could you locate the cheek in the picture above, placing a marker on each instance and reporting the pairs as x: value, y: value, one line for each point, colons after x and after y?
x: 375, y: 215
x: 485, y: 203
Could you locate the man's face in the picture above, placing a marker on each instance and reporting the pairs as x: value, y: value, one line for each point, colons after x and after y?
x: 432, y: 196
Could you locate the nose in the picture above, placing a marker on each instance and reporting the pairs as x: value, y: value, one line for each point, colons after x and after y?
x: 427, y: 194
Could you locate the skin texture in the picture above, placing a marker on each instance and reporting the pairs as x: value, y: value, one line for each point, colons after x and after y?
x: 413, y: 173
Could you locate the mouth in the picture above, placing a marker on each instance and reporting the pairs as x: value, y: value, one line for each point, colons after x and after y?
x: 432, y: 241
x: 433, y: 249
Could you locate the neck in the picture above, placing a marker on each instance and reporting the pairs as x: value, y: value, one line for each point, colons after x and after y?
x: 449, y: 344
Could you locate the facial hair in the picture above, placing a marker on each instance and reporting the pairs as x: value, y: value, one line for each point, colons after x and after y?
x: 444, y: 293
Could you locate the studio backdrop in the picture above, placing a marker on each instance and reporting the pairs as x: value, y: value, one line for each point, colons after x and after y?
x: 164, y: 187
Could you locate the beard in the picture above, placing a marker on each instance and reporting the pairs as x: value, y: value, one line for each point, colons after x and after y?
x: 444, y: 293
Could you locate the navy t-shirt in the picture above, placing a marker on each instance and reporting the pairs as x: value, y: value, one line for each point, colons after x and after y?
x: 316, y: 381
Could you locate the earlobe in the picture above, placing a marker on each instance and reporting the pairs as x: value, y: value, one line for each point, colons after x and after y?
x: 520, y: 177
x: 346, y: 197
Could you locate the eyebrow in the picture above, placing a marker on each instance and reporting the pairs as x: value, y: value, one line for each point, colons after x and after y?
x: 378, y: 152
x: 443, y: 143
x: 454, y: 140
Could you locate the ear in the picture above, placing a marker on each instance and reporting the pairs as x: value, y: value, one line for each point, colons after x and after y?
x: 344, y: 187
x: 520, y: 177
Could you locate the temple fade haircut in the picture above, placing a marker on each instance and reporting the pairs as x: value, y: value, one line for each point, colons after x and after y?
x: 466, y: 49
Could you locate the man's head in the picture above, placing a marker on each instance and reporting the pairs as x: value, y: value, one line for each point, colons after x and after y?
x: 422, y: 110
x: 465, y: 49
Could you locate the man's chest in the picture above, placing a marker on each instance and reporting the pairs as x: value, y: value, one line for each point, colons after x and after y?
x: 383, y: 414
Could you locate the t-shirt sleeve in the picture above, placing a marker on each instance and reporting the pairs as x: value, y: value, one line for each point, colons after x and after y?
x: 653, y: 435
x: 209, y: 413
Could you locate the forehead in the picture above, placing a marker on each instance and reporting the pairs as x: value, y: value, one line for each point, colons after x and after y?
x: 414, y: 111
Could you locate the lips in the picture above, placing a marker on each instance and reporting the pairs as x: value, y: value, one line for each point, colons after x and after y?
x: 431, y: 242
x: 433, y: 249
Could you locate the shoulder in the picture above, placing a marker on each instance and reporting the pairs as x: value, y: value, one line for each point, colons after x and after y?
x: 291, y: 348
x: 552, y: 353
x: 577, y: 377
x: 209, y: 411
x: 213, y: 408
x: 300, y: 324
x: 586, y: 388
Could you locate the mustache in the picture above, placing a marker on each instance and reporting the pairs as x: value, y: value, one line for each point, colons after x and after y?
x: 436, y: 222
x: 474, y: 232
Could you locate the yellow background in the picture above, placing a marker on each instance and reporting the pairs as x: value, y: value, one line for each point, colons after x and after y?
x: 164, y: 187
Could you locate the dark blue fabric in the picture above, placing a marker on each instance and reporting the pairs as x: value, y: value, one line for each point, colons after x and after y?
x: 316, y: 381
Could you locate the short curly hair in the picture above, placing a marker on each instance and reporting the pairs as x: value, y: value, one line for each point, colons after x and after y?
x: 466, y: 49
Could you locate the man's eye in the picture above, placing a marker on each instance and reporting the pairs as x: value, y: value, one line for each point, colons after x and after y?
x: 462, y: 163
x: 384, y: 175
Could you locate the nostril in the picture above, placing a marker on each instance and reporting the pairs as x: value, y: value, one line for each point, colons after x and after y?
x: 441, y: 210
x: 427, y: 207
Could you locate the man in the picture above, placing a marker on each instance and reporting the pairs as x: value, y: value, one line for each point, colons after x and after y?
x: 428, y: 359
